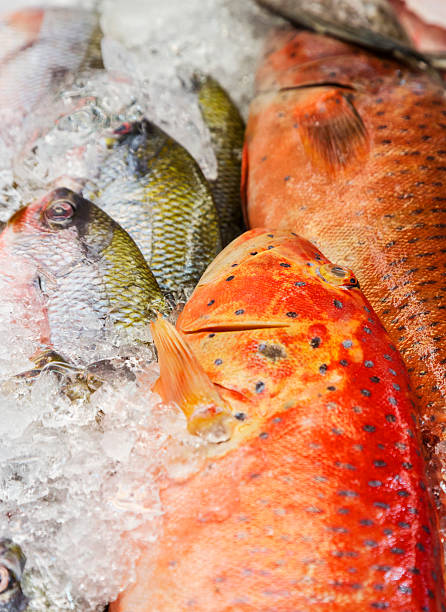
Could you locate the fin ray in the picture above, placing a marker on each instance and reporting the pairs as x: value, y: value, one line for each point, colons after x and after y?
x: 183, y: 381
x: 332, y: 131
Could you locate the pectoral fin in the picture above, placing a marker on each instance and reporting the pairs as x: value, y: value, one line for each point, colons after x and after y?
x: 183, y: 381
x: 332, y: 132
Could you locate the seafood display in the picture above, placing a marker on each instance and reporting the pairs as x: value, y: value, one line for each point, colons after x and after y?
x: 196, y: 416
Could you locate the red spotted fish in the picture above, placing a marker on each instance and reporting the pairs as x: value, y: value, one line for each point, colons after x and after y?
x: 348, y: 148
x: 314, y: 497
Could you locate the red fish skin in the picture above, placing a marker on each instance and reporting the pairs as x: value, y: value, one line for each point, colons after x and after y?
x: 373, y: 199
x: 318, y: 501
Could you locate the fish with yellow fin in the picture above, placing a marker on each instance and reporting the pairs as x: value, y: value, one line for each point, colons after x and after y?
x: 312, y: 494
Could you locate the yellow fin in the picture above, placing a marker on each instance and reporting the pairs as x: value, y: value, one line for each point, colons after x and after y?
x: 183, y: 381
x: 332, y: 131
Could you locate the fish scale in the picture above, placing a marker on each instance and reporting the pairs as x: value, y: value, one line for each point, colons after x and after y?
x: 318, y: 498
x: 157, y: 192
x: 350, y: 149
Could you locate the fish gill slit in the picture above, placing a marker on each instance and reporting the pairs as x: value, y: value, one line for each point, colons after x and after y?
x: 237, y: 327
x: 319, y: 84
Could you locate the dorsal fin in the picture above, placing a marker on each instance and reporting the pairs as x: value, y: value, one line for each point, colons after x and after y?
x: 332, y: 131
x: 183, y: 381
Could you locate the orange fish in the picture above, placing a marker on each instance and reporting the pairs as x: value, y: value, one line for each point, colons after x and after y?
x: 315, y: 496
x: 349, y: 148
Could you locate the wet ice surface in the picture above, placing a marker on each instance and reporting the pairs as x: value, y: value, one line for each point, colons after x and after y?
x: 79, y: 483
x: 79, y: 479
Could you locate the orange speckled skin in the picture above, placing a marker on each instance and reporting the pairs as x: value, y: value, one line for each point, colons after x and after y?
x: 318, y: 501
x: 381, y: 208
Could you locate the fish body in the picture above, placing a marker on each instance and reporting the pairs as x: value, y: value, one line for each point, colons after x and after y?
x: 317, y: 499
x: 153, y: 187
x: 348, y: 148
x: 72, y: 269
x: 12, y: 563
x: 227, y: 129
x: 38, y: 49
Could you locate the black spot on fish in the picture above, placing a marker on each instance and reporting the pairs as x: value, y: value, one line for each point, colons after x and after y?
x: 272, y: 351
x: 260, y: 386
x: 230, y: 277
x: 315, y: 342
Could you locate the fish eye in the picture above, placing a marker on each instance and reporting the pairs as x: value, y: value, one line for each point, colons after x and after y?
x: 5, y: 578
x: 337, y: 275
x: 59, y: 213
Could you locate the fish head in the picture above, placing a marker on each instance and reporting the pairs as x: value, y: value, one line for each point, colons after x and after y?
x: 69, y: 256
x: 252, y: 283
x: 12, y: 563
x: 141, y: 140
x: 256, y: 318
x: 62, y: 222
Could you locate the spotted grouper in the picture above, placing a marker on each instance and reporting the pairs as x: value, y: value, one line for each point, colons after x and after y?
x: 315, y: 496
x: 349, y: 148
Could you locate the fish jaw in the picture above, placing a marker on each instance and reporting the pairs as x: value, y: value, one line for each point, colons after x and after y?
x: 319, y: 495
